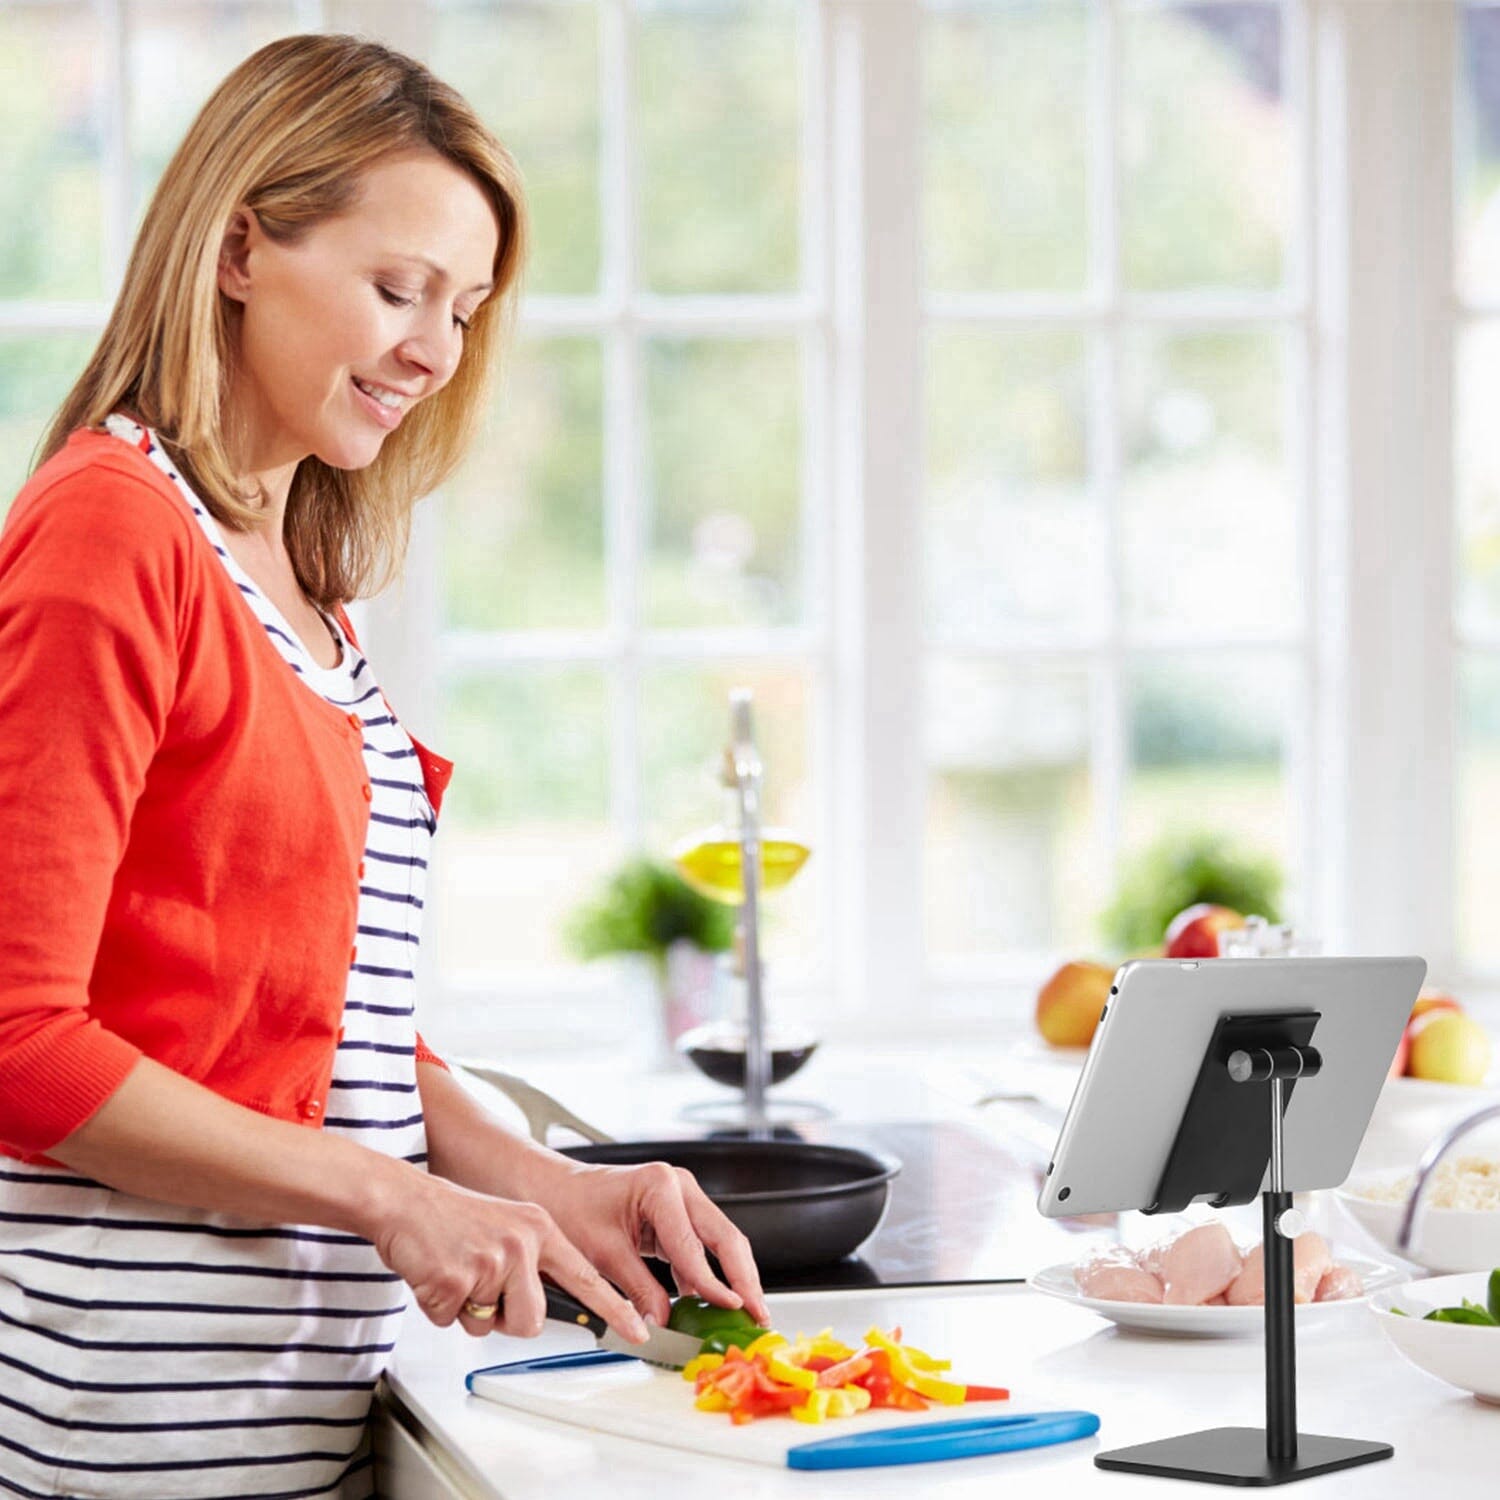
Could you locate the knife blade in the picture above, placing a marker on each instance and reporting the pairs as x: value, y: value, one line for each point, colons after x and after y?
x: 665, y: 1347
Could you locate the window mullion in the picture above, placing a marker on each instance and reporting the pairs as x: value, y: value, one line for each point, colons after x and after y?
x: 877, y: 104
x: 114, y: 50
x: 1108, y: 754
x: 1386, y: 79
x: 624, y: 411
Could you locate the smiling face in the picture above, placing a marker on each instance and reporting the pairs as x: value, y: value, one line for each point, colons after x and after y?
x: 355, y: 303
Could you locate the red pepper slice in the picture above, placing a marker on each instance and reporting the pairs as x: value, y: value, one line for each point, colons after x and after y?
x: 884, y: 1388
x: 986, y: 1393
x: 832, y: 1376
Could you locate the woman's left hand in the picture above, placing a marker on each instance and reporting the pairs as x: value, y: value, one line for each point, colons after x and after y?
x: 617, y: 1215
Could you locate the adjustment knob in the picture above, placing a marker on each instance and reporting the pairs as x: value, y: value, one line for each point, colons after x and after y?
x: 1291, y: 1223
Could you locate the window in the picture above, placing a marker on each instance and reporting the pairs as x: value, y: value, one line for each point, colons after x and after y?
x: 1043, y: 405
x: 1116, y: 492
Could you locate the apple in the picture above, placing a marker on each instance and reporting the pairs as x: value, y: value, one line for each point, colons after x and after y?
x: 1069, y: 1004
x: 1430, y: 1001
x: 1194, y: 931
x: 1431, y: 998
x: 1450, y: 1047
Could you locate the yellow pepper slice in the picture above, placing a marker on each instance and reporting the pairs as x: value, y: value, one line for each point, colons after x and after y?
x: 814, y: 1409
x: 767, y: 1342
x: 900, y: 1366
x: 919, y: 1359
x: 839, y: 1405
x: 712, y: 1400
x: 946, y: 1391
x: 700, y: 1362
x: 789, y: 1374
x: 857, y: 1395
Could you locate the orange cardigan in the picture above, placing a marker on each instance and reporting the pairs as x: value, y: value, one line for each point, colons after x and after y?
x: 181, y: 819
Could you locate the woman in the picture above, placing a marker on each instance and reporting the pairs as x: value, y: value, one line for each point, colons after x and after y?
x: 225, y: 1145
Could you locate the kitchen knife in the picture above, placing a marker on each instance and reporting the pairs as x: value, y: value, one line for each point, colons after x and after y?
x: 665, y: 1347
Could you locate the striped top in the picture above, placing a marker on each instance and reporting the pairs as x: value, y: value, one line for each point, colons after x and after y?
x: 161, y: 1353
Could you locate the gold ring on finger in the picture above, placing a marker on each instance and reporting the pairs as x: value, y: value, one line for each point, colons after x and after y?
x: 481, y: 1310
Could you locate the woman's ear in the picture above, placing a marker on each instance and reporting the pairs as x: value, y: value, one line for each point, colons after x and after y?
x: 234, y: 254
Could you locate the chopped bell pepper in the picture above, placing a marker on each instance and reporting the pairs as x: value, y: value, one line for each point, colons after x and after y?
x: 814, y: 1408
x: 788, y: 1373
x: 844, y: 1372
x: 767, y: 1342
x: 813, y: 1379
x: 918, y: 1359
x: 948, y: 1392
x: 884, y: 1388
x: 700, y: 1362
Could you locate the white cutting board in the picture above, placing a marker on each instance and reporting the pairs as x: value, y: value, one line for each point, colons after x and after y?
x: 637, y: 1400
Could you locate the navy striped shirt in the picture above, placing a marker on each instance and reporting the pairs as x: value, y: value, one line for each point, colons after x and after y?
x: 160, y: 1353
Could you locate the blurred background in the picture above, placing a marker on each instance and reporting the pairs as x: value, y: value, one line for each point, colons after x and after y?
x: 1074, y: 419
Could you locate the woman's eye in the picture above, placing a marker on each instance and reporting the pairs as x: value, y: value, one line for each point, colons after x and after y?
x: 396, y: 301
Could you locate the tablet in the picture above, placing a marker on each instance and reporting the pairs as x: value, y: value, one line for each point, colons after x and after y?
x: 1150, y: 1045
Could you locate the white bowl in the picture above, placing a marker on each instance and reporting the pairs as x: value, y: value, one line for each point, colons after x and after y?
x: 1462, y: 1354
x: 1445, y: 1239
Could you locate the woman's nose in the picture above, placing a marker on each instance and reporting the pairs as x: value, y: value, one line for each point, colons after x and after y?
x: 434, y: 347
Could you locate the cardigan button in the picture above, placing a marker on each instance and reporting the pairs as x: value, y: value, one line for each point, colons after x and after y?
x: 361, y: 871
x: 356, y: 723
x: 311, y: 1110
x: 368, y: 793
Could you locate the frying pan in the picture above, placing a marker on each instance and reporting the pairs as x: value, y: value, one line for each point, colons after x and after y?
x: 799, y: 1203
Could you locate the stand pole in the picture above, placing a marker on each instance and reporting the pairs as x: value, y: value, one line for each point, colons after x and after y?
x: 1281, y: 1328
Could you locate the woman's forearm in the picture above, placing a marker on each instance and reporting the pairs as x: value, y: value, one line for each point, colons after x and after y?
x: 468, y: 1145
x: 162, y: 1136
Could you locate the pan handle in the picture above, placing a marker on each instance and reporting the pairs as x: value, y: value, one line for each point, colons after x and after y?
x: 541, y: 1110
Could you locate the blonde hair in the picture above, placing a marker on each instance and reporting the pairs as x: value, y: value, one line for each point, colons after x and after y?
x: 290, y: 132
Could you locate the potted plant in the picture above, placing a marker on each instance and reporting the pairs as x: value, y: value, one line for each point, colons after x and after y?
x: 1183, y: 870
x: 646, y: 909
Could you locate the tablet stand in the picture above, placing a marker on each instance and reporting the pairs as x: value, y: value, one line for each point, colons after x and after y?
x: 1228, y: 1136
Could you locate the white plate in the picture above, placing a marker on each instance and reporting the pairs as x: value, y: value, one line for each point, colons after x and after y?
x: 1208, y: 1322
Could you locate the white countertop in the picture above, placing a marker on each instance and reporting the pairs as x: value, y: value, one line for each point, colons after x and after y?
x: 1351, y: 1382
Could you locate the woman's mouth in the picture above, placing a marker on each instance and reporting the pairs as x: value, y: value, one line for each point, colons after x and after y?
x: 389, y: 417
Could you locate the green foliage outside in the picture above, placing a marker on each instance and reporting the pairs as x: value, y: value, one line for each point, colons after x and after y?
x: 1179, y: 871
x: 644, y: 908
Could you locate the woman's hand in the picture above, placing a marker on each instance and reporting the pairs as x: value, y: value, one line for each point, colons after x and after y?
x: 455, y: 1249
x: 617, y: 1215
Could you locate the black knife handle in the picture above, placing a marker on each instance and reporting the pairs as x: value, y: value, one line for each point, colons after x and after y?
x: 566, y: 1309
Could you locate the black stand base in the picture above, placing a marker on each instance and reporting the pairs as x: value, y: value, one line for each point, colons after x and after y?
x: 1237, y: 1455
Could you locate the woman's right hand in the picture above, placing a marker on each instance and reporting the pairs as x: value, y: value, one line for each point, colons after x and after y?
x: 452, y: 1247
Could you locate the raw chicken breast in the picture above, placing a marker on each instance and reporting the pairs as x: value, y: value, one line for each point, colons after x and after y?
x: 1198, y: 1264
x: 1338, y: 1284
x: 1310, y: 1260
x: 1114, y: 1276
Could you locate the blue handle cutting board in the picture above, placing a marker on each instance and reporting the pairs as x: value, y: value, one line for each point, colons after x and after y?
x: 616, y: 1394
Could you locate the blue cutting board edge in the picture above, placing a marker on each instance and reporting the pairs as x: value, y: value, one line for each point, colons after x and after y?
x: 969, y: 1437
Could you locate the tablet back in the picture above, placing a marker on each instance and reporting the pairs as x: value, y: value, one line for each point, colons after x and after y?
x: 1147, y: 1050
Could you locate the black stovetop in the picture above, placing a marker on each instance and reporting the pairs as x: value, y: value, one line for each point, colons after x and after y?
x: 962, y: 1211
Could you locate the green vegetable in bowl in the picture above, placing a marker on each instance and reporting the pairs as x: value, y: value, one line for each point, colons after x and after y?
x: 718, y: 1327
x: 1467, y: 1312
